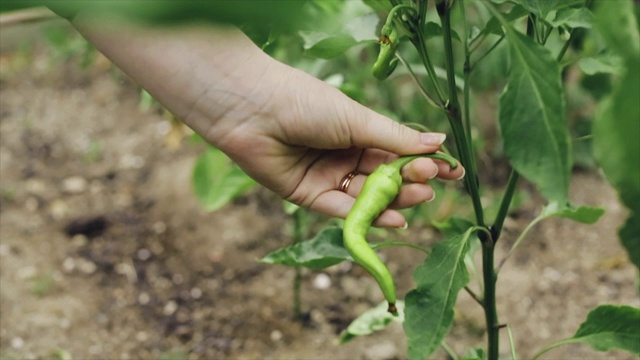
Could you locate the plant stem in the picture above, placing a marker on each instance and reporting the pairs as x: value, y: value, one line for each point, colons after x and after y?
x: 514, y: 355
x: 420, y: 44
x: 496, y: 229
x: 452, y: 354
x: 490, y: 310
x: 519, y: 239
x: 452, y: 106
x: 421, y: 88
x: 467, y: 93
x: 489, y: 51
x: 474, y: 296
x: 298, y: 219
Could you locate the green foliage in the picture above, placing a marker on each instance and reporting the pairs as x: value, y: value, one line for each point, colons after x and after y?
x: 354, y: 25
x: 216, y: 181
x: 607, y: 327
x: 326, y: 46
x: 532, y: 118
x: 532, y: 121
x: 573, y: 18
x: 429, y: 307
x: 617, y: 124
x: 372, y: 320
x: 581, y: 214
x: 611, y: 327
x: 475, y: 354
x: 533, y: 127
x: 324, y: 250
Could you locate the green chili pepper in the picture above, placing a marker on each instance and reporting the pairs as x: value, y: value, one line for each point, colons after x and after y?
x: 379, y: 190
x: 387, y: 61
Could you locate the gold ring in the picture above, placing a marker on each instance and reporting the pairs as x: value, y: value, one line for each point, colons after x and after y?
x: 346, y: 181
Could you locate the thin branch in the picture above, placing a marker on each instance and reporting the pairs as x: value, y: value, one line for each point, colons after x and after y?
x: 421, y: 88
x: 26, y: 16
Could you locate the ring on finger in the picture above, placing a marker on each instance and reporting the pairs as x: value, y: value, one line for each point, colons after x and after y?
x: 346, y: 181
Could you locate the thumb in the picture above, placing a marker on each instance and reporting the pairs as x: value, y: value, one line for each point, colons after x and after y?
x: 373, y: 130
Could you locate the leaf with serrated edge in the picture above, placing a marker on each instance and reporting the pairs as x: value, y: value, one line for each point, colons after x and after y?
x: 532, y: 118
x: 607, y: 327
x: 429, y: 307
x: 324, y: 250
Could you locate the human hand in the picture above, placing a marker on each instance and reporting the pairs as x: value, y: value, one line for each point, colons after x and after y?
x: 307, y: 136
x: 293, y: 133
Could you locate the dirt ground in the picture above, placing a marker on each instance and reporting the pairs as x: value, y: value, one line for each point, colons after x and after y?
x: 157, y: 277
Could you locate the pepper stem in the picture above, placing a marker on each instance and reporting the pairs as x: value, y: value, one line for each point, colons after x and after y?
x: 404, y: 160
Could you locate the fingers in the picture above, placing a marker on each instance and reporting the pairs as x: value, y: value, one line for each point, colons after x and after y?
x: 419, y: 170
x: 445, y: 171
x: 338, y: 204
x: 372, y: 130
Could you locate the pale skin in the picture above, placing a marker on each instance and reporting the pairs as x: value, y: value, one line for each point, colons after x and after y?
x: 293, y: 133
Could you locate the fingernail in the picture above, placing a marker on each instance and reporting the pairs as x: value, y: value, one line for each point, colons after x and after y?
x: 432, y: 138
x: 462, y: 176
x: 432, y: 198
x: 405, y: 226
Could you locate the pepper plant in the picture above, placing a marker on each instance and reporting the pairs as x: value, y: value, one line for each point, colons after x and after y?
x: 443, y: 46
x: 543, y: 39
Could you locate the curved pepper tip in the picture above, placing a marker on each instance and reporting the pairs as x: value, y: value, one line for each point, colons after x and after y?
x: 393, y: 309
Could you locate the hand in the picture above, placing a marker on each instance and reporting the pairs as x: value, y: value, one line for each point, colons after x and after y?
x: 291, y: 132
x: 307, y: 136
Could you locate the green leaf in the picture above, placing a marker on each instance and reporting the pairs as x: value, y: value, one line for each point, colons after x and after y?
x: 475, y: 354
x: 429, y: 307
x: 532, y: 118
x: 372, y: 320
x: 355, y: 25
x: 495, y: 27
x: 573, y: 18
x: 581, y: 214
x: 432, y: 29
x: 629, y: 235
x: 608, y: 327
x: 617, y: 24
x: 538, y: 7
x: 452, y: 225
x: 616, y: 126
x: 324, y: 250
x: 381, y: 6
x: 611, y: 327
x: 605, y: 63
x: 216, y: 180
x: 326, y: 46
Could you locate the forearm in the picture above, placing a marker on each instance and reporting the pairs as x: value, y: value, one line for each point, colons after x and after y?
x: 199, y: 73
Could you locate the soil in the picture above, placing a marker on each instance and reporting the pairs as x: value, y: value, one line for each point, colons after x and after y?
x: 105, y: 252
